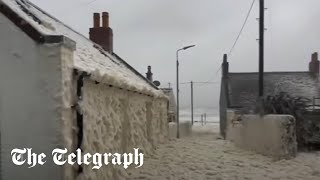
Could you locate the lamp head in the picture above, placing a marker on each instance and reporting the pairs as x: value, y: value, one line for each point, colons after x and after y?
x: 187, y: 47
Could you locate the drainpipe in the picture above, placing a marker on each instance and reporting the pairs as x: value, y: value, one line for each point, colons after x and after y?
x: 80, y: 77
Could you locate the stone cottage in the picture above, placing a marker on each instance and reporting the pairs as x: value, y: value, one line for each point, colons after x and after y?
x: 240, y: 90
x: 60, y: 89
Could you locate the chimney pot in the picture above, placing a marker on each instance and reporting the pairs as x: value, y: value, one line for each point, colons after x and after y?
x: 314, y: 65
x: 314, y: 56
x: 96, y: 20
x: 149, y: 74
x: 105, y: 19
x: 225, y: 66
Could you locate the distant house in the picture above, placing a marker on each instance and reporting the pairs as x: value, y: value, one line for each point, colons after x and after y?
x: 172, y: 104
x: 60, y: 89
x: 240, y: 90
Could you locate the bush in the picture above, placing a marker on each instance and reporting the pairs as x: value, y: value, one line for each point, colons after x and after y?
x: 283, y: 103
x: 306, y: 129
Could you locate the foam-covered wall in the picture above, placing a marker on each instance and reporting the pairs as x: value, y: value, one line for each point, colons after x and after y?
x: 271, y: 135
x: 117, y: 120
x: 30, y: 102
x: 185, y: 129
x: 68, y: 113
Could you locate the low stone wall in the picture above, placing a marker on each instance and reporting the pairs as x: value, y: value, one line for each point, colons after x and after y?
x: 271, y: 135
x: 185, y: 129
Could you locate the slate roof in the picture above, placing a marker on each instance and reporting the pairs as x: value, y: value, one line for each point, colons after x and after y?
x: 88, y: 57
x: 243, y: 87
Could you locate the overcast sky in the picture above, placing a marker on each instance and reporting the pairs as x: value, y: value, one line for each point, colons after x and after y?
x: 148, y: 32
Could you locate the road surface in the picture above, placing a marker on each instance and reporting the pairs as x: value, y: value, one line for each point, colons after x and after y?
x: 205, y: 156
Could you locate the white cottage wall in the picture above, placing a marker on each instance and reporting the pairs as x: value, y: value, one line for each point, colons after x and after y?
x: 30, y: 101
x: 116, y: 120
x: 68, y: 112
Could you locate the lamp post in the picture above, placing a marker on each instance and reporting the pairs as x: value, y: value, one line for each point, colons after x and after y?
x: 184, y: 48
x: 261, y: 58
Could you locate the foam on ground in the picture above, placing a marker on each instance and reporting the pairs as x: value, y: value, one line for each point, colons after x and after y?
x: 208, y: 157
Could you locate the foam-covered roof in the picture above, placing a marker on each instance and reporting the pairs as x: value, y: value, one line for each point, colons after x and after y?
x: 88, y: 57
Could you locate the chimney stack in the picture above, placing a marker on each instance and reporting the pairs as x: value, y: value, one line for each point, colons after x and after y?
x: 225, y: 66
x: 314, y: 65
x: 102, y: 35
x: 149, y: 74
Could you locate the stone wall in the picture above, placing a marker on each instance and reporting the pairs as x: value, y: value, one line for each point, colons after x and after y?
x: 272, y: 135
x: 116, y: 120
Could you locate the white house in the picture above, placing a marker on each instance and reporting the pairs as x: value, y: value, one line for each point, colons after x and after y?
x: 61, y: 90
x: 172, y: 104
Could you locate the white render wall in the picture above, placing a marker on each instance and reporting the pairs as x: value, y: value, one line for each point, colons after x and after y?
x: 68, y: 114
x: 30, y: 101
x: 116, y: 120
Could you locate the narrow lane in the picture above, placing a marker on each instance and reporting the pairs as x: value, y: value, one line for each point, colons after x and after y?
x: 206, y: 156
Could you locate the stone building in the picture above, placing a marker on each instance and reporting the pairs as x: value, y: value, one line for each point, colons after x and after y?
x: 60, y: 89
x: 172, y: 113
x: 240, y: 90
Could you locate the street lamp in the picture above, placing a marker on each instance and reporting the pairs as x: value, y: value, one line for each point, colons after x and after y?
x: 184, y: 48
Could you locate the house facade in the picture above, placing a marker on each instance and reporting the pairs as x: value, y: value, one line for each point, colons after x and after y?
x: 60, y: 89
x: 240, y: 90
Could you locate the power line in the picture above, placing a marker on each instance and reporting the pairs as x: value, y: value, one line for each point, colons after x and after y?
x: 236, y: 41
x: 205, y: 82
x: 201, y: 83
x: 232, y: 48
x: 244, y: 24
x: 91, y: 2
x: 79, y: 5
x: 211, y: 79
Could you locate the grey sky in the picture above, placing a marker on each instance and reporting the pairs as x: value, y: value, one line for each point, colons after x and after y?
x: 148, y: 32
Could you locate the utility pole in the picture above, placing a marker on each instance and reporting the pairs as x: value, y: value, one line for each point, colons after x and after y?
x: 201, y: 119
x: 192, y: 102
x: 261, y: 56
x: 177, y: 113
x: 205, y: 118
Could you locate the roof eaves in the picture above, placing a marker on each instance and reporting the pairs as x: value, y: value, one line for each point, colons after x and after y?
x: 135, y: 71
